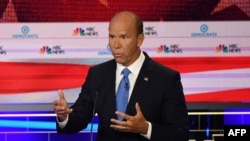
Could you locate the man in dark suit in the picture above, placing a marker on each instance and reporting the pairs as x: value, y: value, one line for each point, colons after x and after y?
x: 156, y: 108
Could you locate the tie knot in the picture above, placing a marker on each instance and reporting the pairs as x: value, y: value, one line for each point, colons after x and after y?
x: 125, y: 71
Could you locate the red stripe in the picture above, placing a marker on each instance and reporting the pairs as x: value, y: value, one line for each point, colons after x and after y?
x: 32, y: 77
x: 17, y: 77
x: 240, y: 95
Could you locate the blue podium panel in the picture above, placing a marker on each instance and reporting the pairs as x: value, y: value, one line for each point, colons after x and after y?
x: 82, y: 136
x: 13, y: 124
x: 241, y: 117
x: 27, y: 137
x: 38, y: 127
x: 2, y: 137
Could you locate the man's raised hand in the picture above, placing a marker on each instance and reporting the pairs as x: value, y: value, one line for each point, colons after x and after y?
x: 61, y: 107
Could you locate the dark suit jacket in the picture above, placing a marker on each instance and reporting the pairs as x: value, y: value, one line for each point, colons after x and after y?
x: 157, y: 89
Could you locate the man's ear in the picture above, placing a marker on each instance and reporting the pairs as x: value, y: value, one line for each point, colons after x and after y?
x: 140, y: 39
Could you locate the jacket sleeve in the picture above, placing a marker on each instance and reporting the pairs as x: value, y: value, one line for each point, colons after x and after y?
x: 82, y: 110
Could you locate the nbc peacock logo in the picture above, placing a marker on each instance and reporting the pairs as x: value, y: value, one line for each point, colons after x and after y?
x: 163, y: 49
x: 89, y: 31
x: 231, y: 48
x: 78, y: 32
x: 45, y: 50
x: 54, y: 50
x: 174, y: 48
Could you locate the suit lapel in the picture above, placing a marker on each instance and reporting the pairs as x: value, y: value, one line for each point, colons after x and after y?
x: 109, y: 100
x: 142, y: 82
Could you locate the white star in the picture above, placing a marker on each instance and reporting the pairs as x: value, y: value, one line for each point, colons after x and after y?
x: 104, y: 2
x: 244, y: 5
x: 9, y: 15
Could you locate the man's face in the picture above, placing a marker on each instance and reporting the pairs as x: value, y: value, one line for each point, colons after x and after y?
x: 123, y: 40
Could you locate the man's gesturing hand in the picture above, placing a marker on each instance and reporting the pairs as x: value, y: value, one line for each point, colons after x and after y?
x: 134, y: 124
x: 61, y: 107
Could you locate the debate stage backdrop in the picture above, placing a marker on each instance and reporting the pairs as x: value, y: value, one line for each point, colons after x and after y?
x: 46, y: 45
x: 50, y: 45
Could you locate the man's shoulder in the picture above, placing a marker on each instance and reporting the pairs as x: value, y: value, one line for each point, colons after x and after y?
x: 156, y: 66
x: 105, y: 65
x: 162, y: 69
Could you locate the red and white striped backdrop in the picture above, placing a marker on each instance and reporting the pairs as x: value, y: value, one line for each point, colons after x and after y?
x: 208, y: 42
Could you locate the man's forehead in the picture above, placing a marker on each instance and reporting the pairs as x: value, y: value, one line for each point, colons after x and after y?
x: 121, y: 26
x: 124, y: 30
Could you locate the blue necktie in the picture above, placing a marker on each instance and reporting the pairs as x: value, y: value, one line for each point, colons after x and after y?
x: 122, y: 93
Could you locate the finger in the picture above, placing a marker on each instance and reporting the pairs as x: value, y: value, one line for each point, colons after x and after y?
x: 61, y: 94
x: 120, y: 113
x: 56, y: 102
x: 123, y: 115
x: 58, y: 106
x: 117, y: 122
x: 138, y: 108
x: 70, y: 110
x: 119, y: 127
x: 59, y: 111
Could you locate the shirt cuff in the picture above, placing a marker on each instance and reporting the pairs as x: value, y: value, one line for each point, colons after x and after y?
x: 64, y: 123
x: 148, y: 135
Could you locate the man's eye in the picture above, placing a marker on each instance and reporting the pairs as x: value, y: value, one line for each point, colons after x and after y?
x: 124, y: 37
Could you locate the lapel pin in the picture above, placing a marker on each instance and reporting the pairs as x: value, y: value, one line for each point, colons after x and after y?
x: 145, y: 78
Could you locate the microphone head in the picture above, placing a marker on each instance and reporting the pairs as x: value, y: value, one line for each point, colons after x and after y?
x: 127, y: 86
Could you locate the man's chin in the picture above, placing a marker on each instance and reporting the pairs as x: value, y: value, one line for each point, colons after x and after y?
x: 119, y: 61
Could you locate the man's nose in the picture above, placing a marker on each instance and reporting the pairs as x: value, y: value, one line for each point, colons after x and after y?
x: 117, y: 43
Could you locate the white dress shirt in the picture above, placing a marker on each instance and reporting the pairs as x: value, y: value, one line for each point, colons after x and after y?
x: 134, y: 69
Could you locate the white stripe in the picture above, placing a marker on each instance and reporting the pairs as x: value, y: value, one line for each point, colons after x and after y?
x: 213, y: 84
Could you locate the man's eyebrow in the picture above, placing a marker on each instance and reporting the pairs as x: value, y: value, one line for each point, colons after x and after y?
x: 122, y: 35
x: 111, y: 35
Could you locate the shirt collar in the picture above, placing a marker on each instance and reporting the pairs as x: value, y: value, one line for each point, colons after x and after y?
x: 135, y: 67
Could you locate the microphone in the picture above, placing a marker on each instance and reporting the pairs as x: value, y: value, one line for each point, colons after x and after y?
x: 93, y: 116
x: 127, y: 86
